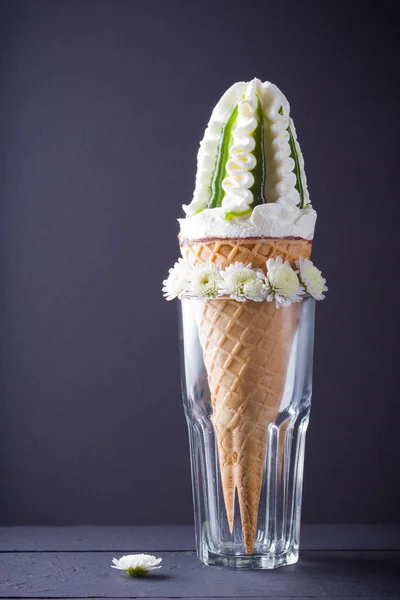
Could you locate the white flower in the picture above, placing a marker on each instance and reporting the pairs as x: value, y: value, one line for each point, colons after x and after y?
x: 205, y: 280
x: 178, y: 280
x: 311, y: 278
x: 242, y: 283
x: 137, y: 565
x: 282, y: 283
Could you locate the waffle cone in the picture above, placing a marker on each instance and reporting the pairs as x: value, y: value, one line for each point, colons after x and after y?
x: 246, y: 348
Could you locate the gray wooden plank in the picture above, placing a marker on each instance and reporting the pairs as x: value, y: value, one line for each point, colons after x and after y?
x: 78, y: 575
x: 181, y: 538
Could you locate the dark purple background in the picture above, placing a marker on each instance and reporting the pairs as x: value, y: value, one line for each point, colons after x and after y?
x: 103, y: 105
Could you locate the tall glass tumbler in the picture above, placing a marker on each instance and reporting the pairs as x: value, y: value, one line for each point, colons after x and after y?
x: 246, y: 383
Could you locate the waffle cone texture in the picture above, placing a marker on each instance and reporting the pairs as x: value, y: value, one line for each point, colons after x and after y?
x: 246, y: 348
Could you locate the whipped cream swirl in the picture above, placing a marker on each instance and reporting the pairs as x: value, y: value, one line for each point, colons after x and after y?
x: 241, y: 161
x: 281, y: 181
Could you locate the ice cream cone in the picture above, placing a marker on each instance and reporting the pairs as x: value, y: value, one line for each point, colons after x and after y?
x: 246, y: 348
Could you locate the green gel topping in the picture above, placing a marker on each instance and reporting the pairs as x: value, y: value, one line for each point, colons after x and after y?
x: 232, y: 214
x: 217, y: 193
x: 257, y: 189
x: 258, y: 172
x: 297, y: 169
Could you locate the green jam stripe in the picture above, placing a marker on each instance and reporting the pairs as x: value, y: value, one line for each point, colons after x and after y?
x: 216, y: 191
x: 258, y: 172
x: 297, y: 168
x: 232, y: 214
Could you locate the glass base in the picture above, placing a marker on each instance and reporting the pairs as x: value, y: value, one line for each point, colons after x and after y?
x: 253, y: 561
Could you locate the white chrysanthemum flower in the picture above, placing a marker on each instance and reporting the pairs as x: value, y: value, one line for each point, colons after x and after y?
x: 137, y: 565
x: 205, y: 280
x: 282, y: 283
x: 242, y: 283
x: 178, y: 280
x: 311, y: 278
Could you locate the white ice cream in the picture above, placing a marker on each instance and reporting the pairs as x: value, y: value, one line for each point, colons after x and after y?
x: 266, y: 220
x: 279, y: 216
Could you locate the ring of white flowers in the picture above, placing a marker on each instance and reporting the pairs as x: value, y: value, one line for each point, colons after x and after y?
x: 280, y: 283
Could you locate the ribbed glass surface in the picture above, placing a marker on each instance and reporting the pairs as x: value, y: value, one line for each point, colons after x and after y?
x: 256, y: 424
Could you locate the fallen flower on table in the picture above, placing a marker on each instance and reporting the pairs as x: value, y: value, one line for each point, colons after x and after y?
x: 137, y: 565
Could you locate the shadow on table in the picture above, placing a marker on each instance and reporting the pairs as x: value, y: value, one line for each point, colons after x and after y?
x: 354, y: 564
x: 154, y: 578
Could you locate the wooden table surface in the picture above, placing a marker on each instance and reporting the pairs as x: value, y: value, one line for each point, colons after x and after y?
x: 74, y: 562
